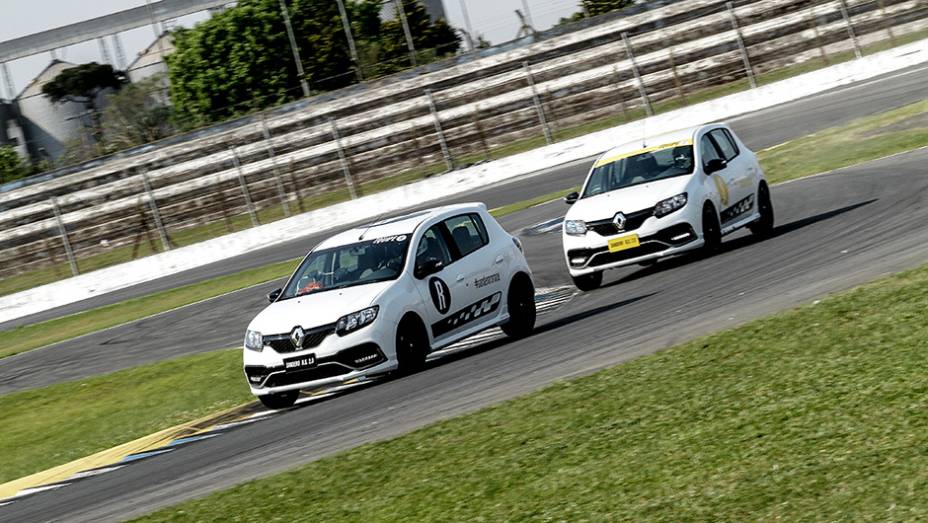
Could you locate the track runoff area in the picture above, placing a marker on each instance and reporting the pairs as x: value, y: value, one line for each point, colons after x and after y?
x: 834, y: 232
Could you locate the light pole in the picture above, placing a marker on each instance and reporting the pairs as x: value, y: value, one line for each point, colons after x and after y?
x: 293, y: 47
x: 351, y: 48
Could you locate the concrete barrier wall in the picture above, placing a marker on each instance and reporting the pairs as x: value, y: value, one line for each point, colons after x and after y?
x: 582, y: 75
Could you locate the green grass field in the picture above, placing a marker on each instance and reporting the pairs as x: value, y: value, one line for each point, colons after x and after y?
x: 21, y: 339
x: 60, y: 423
x: 199, y: 233
x: 865, y: 139
x: 816, y: 414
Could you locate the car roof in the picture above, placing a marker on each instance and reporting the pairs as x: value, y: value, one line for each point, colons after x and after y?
x: 651, y: 143
x: 397, y: 225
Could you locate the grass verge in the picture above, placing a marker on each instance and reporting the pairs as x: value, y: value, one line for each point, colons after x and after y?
x: 895, y: 131
x: 60, y: 423
x: 28, y: 337
x: 199, y: 233
x: 819, y: 413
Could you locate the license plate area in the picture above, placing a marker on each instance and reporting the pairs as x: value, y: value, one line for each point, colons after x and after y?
x: 622, y: 243
x: 300, y: 363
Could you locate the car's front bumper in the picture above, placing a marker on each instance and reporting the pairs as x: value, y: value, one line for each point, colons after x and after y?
x: 337, y: 359
x: 658, y: 238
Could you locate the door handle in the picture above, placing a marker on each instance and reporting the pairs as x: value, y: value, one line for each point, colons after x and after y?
x: 460, y: 277
x: 500, y: 258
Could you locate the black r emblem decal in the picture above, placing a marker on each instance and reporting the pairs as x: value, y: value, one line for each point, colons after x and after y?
x: 441, y: 295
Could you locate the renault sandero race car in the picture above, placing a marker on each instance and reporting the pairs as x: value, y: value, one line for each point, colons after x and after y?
x: 382, y: 296
x: 674, y: 193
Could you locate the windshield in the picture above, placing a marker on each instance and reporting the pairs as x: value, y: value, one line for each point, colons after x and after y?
x: 654, y: 163
x: 369, y: 261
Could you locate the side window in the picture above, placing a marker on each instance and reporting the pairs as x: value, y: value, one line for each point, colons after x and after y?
x: 432, y: 245
x: 725, y: 143
x: 466, y: 233
x: 707, y: 150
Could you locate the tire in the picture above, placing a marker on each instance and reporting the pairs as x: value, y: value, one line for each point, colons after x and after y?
x: 280, y: 400
x: 711, y: 230
x: 588, y: 282
x: 412, y: 345
x: 764, y: 226
x: 520, y: 301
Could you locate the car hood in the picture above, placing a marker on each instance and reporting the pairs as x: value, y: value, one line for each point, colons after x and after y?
x: 317, y: 309
x: 628, y: 200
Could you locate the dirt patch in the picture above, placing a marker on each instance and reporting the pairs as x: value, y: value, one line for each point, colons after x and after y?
x: 917, y: 121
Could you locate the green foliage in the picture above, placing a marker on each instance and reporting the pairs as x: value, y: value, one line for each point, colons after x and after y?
x: 432, y: 40
x: 136, y: 115
x: 240, y: 60
x: 598, y: 7
x: 82, y: 83
x: 11, y: 167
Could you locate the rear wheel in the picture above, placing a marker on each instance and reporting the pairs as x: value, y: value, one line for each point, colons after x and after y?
x: 711, y: 230
x: 280, y: 400
x: 764, y: 226
x: 588, y: 282
x: 412, y: 345
x: 521, y: 304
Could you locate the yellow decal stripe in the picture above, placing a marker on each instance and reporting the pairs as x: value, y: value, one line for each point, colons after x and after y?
x: 722, y: 188
x: 617, y: 157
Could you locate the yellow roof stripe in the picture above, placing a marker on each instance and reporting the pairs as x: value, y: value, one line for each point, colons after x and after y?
x: 617, y: 157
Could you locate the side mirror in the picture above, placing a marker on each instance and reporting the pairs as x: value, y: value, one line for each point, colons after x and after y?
x: 273, y: 295
x: 428, y: 267
x: 572, y: 198
x: 715, y: 165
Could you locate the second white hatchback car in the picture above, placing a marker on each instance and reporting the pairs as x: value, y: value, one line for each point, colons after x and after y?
x: 674, y: 193
x: 383, y: 296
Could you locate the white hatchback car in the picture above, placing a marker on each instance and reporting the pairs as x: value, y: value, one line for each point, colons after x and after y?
x: 675, y: 193
x: 381, y: 297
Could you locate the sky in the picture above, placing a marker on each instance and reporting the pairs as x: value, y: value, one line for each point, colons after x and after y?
x: 494, y: 19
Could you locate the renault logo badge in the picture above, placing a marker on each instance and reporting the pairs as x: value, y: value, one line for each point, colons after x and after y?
x: 297, y: 337
x: 619, y: 221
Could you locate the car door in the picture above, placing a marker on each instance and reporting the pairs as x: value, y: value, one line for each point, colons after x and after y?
x: 478, y: 271
x: 723, y: 180
x: 440, y: 291
x: 741, y: 176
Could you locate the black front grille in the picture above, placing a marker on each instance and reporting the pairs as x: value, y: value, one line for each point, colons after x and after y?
x: 313, y: 338
x: 632, y: 221
x: 328, y: 370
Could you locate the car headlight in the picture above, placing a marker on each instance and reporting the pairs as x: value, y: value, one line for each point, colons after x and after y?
x: 575, y: 227
x: 356, y: 320
x: 665, y: 207
x: 254, y: 341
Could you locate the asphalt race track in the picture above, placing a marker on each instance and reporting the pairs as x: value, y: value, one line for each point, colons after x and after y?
x: 759, y: 130
x: 833, y: 232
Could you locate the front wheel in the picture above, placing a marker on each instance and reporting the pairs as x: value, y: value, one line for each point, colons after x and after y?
x: 412, y: 346
x: 521, y: 305
x: 588, y: 282
x: 764, y: 226
x: 711, y: 230
x: 280, y: 400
